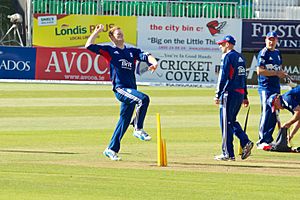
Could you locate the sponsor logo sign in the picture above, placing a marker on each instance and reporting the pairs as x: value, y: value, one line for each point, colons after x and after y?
x: 47, y: 20
x: 178, y: 67
x: 17, y: 62
x: 156, y: 33
x: 255, y: 31
x: 290, y: 65
x: 70, y: 64
x: 216, y: 27
x: 73, y: 30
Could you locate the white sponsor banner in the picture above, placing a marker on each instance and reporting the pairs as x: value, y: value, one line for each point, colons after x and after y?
x: 185, y: 34
x: 182, y: 67
x: 47, y: 20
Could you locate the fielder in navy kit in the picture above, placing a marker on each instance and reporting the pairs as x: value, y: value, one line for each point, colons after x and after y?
x: 269, y: 72
x: 231, y: 93
x: 290, y: 101
x: 122, y: 60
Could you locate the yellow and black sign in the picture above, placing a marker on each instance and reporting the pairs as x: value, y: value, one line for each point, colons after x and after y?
x: 73, y: 30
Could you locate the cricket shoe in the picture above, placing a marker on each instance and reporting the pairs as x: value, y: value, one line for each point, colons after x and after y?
x: 111, y: 154
x: 246, y: 152
x: 223, y: 157
x: 142, y: 135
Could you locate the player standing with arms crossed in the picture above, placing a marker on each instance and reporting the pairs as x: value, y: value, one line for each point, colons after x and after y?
x: 269, y: 72
x: 122, y: 60
x: 231, y: 93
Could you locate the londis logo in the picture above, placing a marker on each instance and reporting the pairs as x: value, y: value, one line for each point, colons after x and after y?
x: 65, y: 30
x: 107, y: 27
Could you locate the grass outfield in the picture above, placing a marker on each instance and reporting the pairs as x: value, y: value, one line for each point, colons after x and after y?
x: 52, y: 137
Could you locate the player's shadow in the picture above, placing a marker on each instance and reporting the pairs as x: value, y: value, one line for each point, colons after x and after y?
x: 235, y: 165
x: 36, y: 151
x: 226, y: 164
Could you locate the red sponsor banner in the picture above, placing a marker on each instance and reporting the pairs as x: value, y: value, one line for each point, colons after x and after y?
x: 70, y: 64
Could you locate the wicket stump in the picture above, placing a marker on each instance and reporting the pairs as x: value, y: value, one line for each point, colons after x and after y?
x: 161, y: 145
x: 240, y: 149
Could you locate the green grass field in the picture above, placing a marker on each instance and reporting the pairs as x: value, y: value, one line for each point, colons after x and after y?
x: 52, y: 137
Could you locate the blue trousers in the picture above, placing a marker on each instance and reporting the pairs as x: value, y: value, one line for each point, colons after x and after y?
x: 268, y: 119
x: 229, y: 108
x: 129, y: 98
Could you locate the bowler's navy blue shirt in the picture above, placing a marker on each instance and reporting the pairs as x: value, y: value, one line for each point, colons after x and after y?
x: 232, y: 75
x: 269, y: 60
x: 122, y: 63
x: 291, y: 99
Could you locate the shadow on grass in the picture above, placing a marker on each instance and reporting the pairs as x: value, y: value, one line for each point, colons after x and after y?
x: 35, y: 151
x: 226, y: 164
x: 236, y: 165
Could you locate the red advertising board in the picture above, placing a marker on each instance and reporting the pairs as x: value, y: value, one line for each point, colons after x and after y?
x: 70, y: 64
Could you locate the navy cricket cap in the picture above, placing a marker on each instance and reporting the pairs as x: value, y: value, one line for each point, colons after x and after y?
x: 227, y: 38
x: 272, y: 34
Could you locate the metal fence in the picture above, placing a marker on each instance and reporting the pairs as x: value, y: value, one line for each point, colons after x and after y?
x: 259, y: 9
x: 276, y: 9
x: 193, y: 9
x: 8, y: 34
x: 172, y: 9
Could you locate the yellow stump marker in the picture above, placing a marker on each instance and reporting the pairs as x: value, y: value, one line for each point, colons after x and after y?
x: 165, y: 161
x: 159, y: 149
x: 240, y: 149
x: 161, y: 145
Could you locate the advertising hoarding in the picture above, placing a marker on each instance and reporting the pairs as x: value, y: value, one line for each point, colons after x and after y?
x: 291, y: 65
x: 183, y: 68
x: 74, y: 30
x: 70, y: 64
x: 17, y: 62
x: 186, y: 34
x: 255, y: 31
